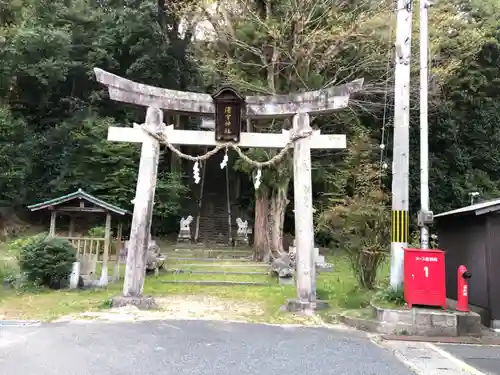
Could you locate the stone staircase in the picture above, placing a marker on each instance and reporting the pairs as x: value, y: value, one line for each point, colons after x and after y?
x: 214, y: 226
x: 215, y: 266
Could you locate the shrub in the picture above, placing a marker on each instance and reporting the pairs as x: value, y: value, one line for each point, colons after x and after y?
x: 393, y: 296
x: 359, y: 222
x: 362, y: 227
x: 46, y: 260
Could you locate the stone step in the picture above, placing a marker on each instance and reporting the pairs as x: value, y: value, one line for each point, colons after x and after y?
x: 215, y: 272
x: 207, y: 255
x: 217, y: 282
x: 242, y: 260
x: 212, y: 250
x: 248, y: 265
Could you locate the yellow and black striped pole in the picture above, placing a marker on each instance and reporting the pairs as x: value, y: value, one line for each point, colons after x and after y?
x: 400, y: 227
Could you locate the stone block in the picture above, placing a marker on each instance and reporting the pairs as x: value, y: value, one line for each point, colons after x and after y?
x: 469, y: 324
x: 443, y: 320
x: 431, y: 331
x: 392, y: 316
x: 395, y: 316
x: 396, y: 328
x: 286, y: 280
x: 325, y: 267
x: 421, y: 318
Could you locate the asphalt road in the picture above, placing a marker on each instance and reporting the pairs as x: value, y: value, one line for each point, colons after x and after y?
x: 189, y: 347
x: 484, y: 358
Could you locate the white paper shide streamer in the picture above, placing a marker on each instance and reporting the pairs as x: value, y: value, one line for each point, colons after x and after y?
x: 223, y: 164
x: 257, y: 181
x: 196, y: 172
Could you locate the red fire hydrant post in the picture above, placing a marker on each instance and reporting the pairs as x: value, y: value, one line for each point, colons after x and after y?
x: 463, y: 289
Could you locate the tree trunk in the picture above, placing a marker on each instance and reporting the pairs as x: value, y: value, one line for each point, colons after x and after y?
x: 276, y: 218
x: 261, y: 244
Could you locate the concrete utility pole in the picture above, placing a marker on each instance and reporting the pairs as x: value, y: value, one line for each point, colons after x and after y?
x: 425, y: 216
x: 401, y: 145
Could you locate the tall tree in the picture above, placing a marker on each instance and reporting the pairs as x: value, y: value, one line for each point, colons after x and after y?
x: 277, y: 47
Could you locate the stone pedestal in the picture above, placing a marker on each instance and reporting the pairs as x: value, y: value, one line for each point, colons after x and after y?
x: 184, y: 236
x: 241, y: 240
x: 143, y: 303
x: 185, y: 230
x: 242, y: 232
x: 75, y: 275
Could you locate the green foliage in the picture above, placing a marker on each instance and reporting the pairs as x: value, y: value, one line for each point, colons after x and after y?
x: 97, y: 232
x: 46, y: 261
x: 392, y: 296
x: 14, y: 159
x: 360, y: 223
x: 54, y: 117
x: 7, y: 272
x: 356, y: 298
x: 362, y: 229
x: 107, y: 304
x: 414, y: 241
x: 14, y: 247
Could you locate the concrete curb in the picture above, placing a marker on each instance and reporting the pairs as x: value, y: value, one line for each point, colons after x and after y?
x: 362, y: 324
x: 20, y: 323
x: 426, y: 322
x: 458, y: 340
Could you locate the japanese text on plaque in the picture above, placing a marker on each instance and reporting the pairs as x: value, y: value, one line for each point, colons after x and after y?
x: 227, y: 122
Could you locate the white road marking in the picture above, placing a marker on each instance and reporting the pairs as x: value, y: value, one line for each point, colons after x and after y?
x: 426, y: 359
x: 454, y: 359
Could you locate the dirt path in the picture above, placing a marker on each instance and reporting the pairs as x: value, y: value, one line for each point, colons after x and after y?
x: 187, y: 308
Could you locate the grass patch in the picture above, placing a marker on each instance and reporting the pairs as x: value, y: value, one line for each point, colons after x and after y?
x: 338, y: 287
x: 364, y: 313
x: 216, y: 277
x: 47, y: 305
x: 389, y: 305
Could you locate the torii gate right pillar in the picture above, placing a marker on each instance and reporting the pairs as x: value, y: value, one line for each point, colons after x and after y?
x: 304, y: 226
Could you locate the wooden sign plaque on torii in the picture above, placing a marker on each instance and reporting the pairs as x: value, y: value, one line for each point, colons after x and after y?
x: 228, y: 129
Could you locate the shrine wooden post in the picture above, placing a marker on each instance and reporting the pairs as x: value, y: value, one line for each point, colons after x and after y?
x: 297, y: 106
x: 135, y: 270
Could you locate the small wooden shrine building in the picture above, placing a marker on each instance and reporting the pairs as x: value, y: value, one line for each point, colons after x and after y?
x: 90, y: 250
x: 470, y: 236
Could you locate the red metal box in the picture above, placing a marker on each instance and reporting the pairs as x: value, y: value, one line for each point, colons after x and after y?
x: 424, y: 277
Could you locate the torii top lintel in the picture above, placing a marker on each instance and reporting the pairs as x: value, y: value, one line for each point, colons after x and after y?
x: 313, y: 102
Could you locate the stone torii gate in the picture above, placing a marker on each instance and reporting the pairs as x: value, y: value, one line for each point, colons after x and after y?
x: 298, y: 106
